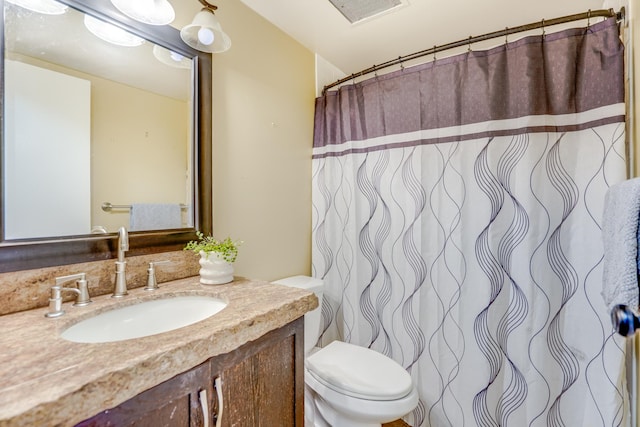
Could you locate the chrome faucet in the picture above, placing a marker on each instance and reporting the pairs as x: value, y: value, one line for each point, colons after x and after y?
x: 82, y: 293
x: 120, y: 288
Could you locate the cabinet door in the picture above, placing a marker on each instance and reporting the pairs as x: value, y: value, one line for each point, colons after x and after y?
x: 263, y: 382
x: 178, y: 402
x: 260, y: 384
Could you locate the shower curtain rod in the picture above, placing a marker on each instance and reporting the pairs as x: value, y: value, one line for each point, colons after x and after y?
x: 607, y: 13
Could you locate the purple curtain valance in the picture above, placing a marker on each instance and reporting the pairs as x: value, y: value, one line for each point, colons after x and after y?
x: 561, y: 73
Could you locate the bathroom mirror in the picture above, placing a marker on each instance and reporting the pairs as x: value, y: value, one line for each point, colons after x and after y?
x: 138, y: 145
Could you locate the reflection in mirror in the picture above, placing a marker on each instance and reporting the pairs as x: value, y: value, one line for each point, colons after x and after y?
x: 39, y: 252
x: 90, y: 123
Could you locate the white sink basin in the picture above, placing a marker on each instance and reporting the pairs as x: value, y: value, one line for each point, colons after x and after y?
x: 144, y: 319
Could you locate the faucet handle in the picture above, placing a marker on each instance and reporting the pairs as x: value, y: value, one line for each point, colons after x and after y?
x: 55, y: 302
x: 83, y: 297
x: 152, y: 284
x: 82, y: 290
x: 82, y: 293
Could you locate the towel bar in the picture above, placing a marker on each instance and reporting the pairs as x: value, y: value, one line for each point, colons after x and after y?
x: 107, y: 207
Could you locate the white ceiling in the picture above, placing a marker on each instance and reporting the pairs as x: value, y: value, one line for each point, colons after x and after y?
x: 420, y: 25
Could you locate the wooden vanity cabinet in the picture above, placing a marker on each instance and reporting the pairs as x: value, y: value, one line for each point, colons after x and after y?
x: 262, y: 384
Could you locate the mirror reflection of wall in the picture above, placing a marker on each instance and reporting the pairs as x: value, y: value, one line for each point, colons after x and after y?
x: 140, y: 125
x: 47, y: 152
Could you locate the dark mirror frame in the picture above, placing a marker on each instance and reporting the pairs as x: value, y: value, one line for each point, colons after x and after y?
x: 26, y: 254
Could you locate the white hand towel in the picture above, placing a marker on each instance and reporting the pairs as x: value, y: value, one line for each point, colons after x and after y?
x: 155, y: 216
x: 620, y: 239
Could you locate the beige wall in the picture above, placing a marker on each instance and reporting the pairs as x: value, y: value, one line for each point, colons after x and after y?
x: 263, y: 103
x: 142, y: 159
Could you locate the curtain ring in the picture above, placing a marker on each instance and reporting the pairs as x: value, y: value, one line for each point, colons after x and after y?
x: 543, y: 30
x: 469, y: 48
x: 353, y: 78
x: 434, y: 53
x: 401, y: 64
x: 588, y: 18
x: 375, y: 71
x: 506, y: 32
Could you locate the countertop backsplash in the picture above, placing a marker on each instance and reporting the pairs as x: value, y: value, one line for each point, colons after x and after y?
x: 25, y: 290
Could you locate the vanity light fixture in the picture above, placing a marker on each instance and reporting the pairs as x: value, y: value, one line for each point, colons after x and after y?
x: 170, y: 58
x: 205, y: 32
x: 152, y: 12
x: 47, y: 7
x: 110, y: 33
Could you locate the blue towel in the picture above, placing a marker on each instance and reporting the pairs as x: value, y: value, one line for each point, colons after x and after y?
x: 621, y: 241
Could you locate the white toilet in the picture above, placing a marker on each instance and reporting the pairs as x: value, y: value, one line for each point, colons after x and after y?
x: 347, y: 385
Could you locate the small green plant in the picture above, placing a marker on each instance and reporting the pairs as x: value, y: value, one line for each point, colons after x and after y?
x: 226, y: 249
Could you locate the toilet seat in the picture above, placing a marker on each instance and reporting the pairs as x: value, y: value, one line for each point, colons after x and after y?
x: 338, y: 409
x: 359, y: 372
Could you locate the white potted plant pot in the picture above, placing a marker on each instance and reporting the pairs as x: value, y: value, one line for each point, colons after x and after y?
x: 214, y: 270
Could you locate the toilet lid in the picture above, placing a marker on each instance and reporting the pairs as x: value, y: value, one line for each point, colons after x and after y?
x: 359, y: 372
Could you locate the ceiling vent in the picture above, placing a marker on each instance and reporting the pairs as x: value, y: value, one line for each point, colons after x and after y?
x: 359, y: 10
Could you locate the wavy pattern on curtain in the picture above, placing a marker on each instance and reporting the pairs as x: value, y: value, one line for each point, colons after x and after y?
x: 456, y: 222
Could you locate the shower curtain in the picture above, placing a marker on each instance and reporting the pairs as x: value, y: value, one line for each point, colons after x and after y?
x: 457, y: 226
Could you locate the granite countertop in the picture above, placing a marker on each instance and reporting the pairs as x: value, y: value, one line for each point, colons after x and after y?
x: 46, y: 380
